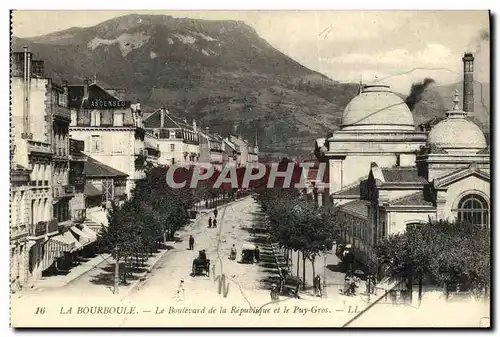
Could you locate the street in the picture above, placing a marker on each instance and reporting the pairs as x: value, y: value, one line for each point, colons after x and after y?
x: 230, y: 285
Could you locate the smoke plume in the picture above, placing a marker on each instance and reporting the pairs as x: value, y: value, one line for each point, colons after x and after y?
x: 417, y: 89
x: 477, y: 41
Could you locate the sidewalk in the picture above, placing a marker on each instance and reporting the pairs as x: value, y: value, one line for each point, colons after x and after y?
x: 59, y: 281
x: 106, y: 261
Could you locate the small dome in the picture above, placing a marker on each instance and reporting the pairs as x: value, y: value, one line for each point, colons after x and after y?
x: 456, y: 133
x: 377, y: 107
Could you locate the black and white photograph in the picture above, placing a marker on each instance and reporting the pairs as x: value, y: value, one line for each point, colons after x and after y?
x: 250, y: 169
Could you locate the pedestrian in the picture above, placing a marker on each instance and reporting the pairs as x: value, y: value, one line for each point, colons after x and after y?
x: 180, y: 292
x: 215, y: 212
x: 317, y: 286
x: 215, y: 223
x: 210, y: 222
x: 191, y: 242
x: 274, y: 293
x: 257, y: 254
x: 233, y: 252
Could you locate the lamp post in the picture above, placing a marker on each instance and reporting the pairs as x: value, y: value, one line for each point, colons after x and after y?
x: 324, y: 275
x: 117, y: 275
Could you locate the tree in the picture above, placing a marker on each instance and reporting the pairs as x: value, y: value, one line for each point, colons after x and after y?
x: 443, y: 252
x: 299, y: 225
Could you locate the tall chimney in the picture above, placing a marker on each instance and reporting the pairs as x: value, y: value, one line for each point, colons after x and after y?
x: 162, y: 117
x: 194, y: 125
x: 468, y: 93
x: 207, y: 129
x: 86, y: 88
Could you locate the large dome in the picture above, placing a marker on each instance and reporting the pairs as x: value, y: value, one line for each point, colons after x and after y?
x: 456, y: 133
x: 377, y: 108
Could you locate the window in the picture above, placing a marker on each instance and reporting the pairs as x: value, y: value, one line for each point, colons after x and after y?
x: 62, y: 99
x: 95, y: 144
x: 413, y: 225
x: 173, y: 161
x: 172, y: 147
x: 473, y: 209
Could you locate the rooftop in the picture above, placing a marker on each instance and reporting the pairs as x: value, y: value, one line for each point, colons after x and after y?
x: 94, y: 168
x: 415, y: 199
x: 357, y: 208
x: 402, y: 175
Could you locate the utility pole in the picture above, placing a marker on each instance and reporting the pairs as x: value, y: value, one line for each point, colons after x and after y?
x: 117, y: 274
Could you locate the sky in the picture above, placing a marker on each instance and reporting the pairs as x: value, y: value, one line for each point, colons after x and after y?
x: 348, y: 46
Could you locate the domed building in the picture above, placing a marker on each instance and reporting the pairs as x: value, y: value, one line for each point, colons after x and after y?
x: 385, y: 176
x: 377, y: 126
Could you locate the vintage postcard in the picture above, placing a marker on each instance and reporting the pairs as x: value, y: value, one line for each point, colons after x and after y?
x: 250, y: 169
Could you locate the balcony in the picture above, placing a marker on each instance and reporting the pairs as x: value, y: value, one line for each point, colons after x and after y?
x: 61, y: 112
x: 64, y: 191
x: 43, y: 228
x: 39, y: 147
x: 153, y: 152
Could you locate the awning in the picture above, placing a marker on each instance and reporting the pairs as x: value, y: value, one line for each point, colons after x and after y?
x: 68, y: 242
x: 89, y: 232
x: 68, y: 238
x: 84, y: 239
x: 91, y: 191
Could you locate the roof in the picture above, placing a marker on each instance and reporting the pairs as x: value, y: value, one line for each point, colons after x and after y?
x: 76, y: 97
x: 377, y: 107
x: 351, y: 190
x: 415, y: 199
x: 170, y: 121
x: 94, y: 168
x: 91, y: 191
x: 402, y: 175
x: 357, y: 208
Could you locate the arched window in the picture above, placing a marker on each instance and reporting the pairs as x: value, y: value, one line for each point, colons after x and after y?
x: 473, y: 209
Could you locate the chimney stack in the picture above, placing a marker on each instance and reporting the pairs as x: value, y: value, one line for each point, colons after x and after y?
x: 27, y: 92
x: 65, y: 87
x: 86, y: 88
x: 207, y: 130
x: 468, y: 105
x: 162, y: 117
x: 194, y: 125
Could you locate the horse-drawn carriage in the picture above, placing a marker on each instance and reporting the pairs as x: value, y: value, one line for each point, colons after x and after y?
x: 247, y: 253
x: 289, y: 284
x: 201, y: 265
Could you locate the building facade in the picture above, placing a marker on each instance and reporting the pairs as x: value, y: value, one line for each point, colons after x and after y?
x: 103, y: 186
x: 40, y: 117
x: 211, y: 150
x: 111, y: 129
x: 445, y: 178
x: 178, y: 141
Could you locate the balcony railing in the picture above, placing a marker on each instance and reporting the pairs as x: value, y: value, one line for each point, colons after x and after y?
x: 40, y: 147
x: 62, y: 112
x: 43, y: 227
x: 64, y: 191
x: 38, y: 229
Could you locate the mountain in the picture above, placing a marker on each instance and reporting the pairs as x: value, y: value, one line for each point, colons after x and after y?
x: 221, y: 73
